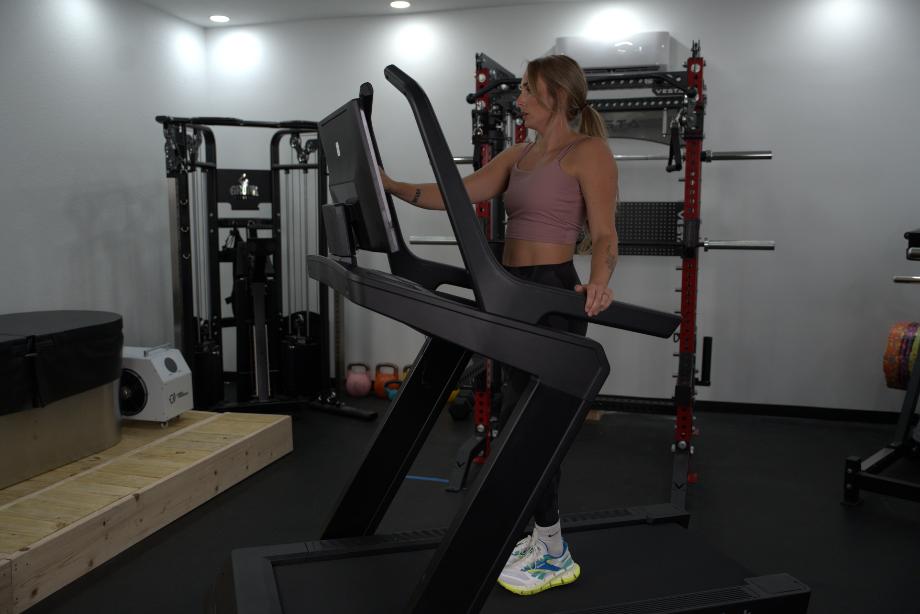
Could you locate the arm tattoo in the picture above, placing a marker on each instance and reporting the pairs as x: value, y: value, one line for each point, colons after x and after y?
x: 611, y: 258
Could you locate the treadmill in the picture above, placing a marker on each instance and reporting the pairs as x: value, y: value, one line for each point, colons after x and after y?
x: 634, y: 560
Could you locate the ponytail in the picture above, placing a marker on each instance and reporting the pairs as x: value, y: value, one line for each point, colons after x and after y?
x: 592, y: 123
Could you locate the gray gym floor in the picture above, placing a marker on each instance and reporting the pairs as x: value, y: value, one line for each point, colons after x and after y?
x: 769, y: 497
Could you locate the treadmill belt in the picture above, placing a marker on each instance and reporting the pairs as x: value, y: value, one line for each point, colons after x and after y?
x: 629, y: 564
x: 379, y: 583
x: 618, y: 565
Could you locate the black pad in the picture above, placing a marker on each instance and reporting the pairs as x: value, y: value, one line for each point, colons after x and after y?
x: 46, y: 356
x: 649, y: 228
x: 15, y: 374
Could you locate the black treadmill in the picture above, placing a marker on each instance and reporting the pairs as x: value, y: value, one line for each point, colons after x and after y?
x: 634, y: 560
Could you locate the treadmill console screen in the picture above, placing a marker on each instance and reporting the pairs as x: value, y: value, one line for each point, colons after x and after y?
x: 354, y: 177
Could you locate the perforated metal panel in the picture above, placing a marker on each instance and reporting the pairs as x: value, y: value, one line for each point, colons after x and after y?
x: 649, y: 228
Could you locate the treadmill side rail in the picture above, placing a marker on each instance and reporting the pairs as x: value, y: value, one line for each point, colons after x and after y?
x: 257, y: 591
x: 775, y: 594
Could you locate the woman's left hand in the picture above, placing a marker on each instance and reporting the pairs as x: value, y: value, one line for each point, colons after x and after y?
x: 597, y: 298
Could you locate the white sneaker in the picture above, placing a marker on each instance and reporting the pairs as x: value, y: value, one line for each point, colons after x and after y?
x: 538, y: 570
x: 521, y: 549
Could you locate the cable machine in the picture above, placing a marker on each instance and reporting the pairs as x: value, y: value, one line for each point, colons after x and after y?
x: 253, y: 228
x: 671, y: 112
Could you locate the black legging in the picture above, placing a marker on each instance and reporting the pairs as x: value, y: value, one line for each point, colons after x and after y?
x: 515, y: 381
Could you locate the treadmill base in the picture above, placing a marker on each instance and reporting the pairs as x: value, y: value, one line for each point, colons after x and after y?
x: 625, y: 569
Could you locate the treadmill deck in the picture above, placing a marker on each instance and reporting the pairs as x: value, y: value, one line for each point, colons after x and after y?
x: 619, y: 565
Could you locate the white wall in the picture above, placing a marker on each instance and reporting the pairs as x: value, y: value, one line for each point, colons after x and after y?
x: 82, y: 179
x: 828, y: 85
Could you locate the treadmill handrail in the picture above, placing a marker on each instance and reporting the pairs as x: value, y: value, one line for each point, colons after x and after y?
x: 496, y: 290
x: 579, y: 364
x: 473, y: 247
x: 403, y: 262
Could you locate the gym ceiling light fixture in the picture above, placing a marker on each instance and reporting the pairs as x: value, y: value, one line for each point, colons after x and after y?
x: 612, y: 25
x: 219, y: 18
x: 400, y: 4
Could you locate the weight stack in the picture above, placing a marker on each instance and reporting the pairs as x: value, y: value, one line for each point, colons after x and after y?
x: 300, y: 359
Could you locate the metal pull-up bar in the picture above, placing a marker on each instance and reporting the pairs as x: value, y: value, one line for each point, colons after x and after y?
x: 712, y: 156
x: 706, y: 244
x: 708, y: 156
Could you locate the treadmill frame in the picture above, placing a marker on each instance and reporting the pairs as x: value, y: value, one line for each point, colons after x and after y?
x: 568, y: 371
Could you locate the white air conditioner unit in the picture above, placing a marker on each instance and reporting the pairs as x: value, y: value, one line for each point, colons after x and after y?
x: 156, y: 384
x: 644, y: 50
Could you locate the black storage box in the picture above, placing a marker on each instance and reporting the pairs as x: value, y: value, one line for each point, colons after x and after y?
x: 59, y: 374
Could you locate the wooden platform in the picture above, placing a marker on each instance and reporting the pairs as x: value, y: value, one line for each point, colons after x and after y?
x: 57, y: 526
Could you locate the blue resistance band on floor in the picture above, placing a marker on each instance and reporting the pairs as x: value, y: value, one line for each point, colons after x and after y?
x: 422, y: 478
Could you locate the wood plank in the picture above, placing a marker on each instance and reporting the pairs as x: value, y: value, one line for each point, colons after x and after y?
x: 215, y: 438
x: 134, y: 435
x: 66, y: 508
x: 109, y: 480
x: 226, y: 427
x: 76, y: 499
x: 55, y: 500
x: 6, y: 587
x: 266, y: 419
x: 9, y: 542
x: 174, y: 454
x: 48, y: 564
x: 122, y: 479
x: 32, y: 526
x: 147, y: 468
x: 186, y: 443
x: 40, y: 510
x: 92, y: 484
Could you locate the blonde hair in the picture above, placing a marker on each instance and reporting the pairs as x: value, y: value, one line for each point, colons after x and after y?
x: 568, y: 92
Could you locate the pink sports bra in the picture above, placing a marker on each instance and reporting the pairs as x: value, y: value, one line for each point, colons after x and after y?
x: 544, y: 204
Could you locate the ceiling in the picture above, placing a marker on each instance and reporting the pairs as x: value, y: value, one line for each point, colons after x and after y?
x: 249, y: 12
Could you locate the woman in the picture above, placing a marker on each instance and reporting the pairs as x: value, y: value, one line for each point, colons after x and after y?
x: 552, y: 188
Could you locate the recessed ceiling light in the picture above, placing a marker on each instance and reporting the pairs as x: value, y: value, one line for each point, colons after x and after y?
x: 400, y: 4
x: 219, y: 18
